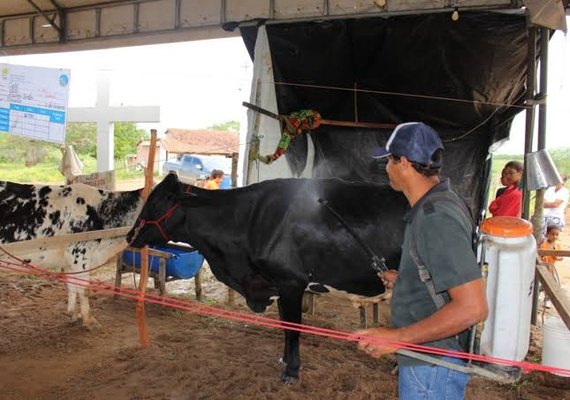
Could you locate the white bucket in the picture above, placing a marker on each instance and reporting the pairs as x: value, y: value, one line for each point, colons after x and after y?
x: 556, y: 343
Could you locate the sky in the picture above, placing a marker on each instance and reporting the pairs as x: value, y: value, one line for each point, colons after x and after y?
x: 196, y: 84
x: 201, y: 83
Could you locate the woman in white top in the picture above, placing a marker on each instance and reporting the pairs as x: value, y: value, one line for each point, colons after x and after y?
x: 555, y: 202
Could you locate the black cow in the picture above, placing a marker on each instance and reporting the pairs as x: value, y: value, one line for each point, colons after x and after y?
x: 274, y: 238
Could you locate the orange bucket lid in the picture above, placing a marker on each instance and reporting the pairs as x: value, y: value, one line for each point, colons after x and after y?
x: 506, y: 227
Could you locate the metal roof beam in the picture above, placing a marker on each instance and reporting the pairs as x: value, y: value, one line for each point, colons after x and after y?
x: 51, y: 21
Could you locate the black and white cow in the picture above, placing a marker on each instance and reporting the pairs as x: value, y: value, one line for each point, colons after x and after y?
x: 37, y: 211
x: 275, y: 238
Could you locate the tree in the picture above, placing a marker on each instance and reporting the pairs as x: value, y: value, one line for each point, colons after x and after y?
x: 127, y: 136
x: 83, y: 137
x: 226, y: 126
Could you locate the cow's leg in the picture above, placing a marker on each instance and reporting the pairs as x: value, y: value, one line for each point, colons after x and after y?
x: 72, y: 302
x: 79, y: 263
x: 290, y: 310
x: 86, y: 316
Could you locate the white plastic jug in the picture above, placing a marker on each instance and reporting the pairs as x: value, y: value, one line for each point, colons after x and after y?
x: 510, y: 252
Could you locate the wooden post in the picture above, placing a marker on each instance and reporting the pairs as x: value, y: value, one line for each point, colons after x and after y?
x: 363, y: 319
x: 118, y: 273
x: 161, y: 276
x: 141, y: 318
x: 231, y: 292
x: 198, y: 284
x: 234, y: 169
x: 376, y: 314
x: 554, y: 293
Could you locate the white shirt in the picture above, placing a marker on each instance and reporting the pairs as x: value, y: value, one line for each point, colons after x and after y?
x: 552, y: 195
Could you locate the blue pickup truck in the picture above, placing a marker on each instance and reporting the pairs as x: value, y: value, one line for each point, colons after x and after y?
x: 191, y: 168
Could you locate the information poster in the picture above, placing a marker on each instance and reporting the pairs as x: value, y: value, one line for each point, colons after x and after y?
x: 33, y: 101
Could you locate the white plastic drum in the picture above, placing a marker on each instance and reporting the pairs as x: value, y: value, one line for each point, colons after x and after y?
x: 510, y: 253
x: 556, y: 343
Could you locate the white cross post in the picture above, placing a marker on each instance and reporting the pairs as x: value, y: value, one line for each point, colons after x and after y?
x: 105, y: 116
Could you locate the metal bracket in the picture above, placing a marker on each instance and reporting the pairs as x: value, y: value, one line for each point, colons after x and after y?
x: 50, y: 20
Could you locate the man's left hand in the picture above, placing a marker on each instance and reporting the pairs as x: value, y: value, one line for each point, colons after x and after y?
x: 377, y: 348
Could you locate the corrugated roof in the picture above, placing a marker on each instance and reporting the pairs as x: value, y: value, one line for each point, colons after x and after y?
x: 200, y: 141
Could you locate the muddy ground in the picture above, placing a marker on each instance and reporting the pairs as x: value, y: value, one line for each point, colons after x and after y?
x: 45, y: 356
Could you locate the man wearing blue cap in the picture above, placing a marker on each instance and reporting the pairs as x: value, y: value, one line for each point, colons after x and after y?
x: 438, y: 291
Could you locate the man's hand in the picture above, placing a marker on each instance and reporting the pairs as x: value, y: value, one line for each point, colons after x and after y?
x: 377, y: 348
x: 388, y: 278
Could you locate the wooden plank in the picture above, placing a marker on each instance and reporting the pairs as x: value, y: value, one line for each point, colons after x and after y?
x: 66, y: 239
x: 553, y: 291
x: 554, y: 253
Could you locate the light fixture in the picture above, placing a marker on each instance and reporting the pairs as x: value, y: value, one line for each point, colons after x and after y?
x: 455, y: 14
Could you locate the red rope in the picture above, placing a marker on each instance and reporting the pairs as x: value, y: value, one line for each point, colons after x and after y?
x: 156, y: 222
x: 203, y: 309
x: 23, y: 263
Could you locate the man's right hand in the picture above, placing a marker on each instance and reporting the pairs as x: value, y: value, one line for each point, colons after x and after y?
x: 388, y: 278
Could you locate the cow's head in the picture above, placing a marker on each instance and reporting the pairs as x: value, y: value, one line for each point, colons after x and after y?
x: 160, y: 218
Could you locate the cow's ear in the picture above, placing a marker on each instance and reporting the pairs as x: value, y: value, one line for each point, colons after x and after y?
x: 169, y: 183
x: 192, y: 200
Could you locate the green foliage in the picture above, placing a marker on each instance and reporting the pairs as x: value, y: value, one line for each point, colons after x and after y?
x: 561, y: 159
x: 43, y: 157
x: 127, y: 136
x: 83, y: 137
x: 226, y: 126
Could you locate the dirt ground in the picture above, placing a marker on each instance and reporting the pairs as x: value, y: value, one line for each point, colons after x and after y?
x: 45, y: 356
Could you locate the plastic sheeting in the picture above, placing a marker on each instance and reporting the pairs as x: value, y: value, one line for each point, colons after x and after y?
x: 465, y: 78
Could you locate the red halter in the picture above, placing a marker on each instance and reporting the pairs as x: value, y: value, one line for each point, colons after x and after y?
x: 157, y: 222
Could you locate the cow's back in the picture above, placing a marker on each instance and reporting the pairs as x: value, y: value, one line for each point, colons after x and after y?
x: 279, y: 229
x: 35, y: 211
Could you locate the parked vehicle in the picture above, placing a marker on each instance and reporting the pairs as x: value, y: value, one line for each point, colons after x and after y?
x: 193, y: 167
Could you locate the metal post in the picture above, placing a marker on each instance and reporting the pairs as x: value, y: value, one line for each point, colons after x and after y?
x: 537, y: 218
x: 529, y: 127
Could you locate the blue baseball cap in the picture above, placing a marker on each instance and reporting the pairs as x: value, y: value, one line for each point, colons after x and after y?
x: 414, y: 140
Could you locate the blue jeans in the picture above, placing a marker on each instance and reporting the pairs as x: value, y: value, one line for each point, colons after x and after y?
x: 432, y: 382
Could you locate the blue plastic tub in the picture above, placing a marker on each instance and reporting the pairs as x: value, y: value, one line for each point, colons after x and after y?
x: 184, y: 264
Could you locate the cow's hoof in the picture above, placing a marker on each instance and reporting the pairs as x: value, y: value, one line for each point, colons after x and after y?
x: 289, y: 380
x: 92, y: 324
x: 73, y: 318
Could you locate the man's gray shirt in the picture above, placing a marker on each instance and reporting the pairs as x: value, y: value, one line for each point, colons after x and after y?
x: 443, y: 243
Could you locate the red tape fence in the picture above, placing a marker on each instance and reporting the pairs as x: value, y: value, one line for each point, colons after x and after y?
x: 203, y: 309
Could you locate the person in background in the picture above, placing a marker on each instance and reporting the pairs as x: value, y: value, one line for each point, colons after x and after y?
x: 215, y: 179
x: 508, y: 203
x: 502, y: 189
x: 437, y: 311
x: 554, y: 206
x: 550, y: 242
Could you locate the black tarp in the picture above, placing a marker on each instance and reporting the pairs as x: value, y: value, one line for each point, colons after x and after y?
x: 461, y: 77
